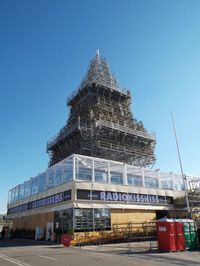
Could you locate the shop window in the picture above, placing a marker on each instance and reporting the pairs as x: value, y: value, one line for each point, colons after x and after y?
x: 92, y: 219
x: 63, y: 221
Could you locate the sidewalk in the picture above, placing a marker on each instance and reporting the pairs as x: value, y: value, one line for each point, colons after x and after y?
x: 148, y: 250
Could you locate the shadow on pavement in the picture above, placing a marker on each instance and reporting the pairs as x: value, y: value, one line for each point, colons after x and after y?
x: 24, y: 242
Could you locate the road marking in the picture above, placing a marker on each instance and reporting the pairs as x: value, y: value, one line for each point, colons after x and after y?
x: 49, y: 258
x: 17, y: 262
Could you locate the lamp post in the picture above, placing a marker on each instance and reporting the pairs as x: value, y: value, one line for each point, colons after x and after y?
x: 181, y: 167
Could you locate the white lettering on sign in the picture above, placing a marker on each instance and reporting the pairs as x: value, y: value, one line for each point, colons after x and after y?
x: 103, y: 195
x: 128, y: 197
x: 50, y: 200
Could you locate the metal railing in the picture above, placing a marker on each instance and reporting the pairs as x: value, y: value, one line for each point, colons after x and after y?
x: 151, y: 136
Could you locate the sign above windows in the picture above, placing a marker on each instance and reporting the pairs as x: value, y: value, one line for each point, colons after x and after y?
x: 47, y: 201
x: 123, y: 197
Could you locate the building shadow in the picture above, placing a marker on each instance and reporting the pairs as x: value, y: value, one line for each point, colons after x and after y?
x: 24, y: 243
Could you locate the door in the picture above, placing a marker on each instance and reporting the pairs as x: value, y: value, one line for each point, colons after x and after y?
x: 49, y: 231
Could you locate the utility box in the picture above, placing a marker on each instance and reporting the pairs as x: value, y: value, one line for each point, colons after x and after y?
x: 166, y: 232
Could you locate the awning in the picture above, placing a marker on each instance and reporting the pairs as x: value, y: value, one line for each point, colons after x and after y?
x: 121, y: 206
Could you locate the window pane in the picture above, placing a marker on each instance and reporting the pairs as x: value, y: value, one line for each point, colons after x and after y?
x: 21, y: 191
x: 42, y: 182
x: 89, y: 219
x: 83, y: 169
x: 116, y: 173
x: 151, y: 182
x: 50, y: 178
x: 34, y: 186
x: 27, y: 190
x: 58, y: 175
x: 16, y: 193
x: 134, y: 176
x: 151, y: 178
x: 101, y: 171
x: 67, y: 170
x: 134, y: 180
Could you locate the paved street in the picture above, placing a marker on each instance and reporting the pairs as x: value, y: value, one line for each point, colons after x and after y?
x: 32, y: 253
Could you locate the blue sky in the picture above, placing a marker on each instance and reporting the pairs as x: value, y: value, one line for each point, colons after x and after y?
x: 45, y: 47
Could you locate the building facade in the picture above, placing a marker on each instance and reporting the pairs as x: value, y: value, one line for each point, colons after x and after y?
x: 83, y: 193
x: 97, y: 173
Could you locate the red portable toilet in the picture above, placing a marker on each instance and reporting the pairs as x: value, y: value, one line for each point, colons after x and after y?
x: 166, y: 232
x: 180, y: 238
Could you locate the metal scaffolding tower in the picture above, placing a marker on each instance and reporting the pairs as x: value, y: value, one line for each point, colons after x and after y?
x: 194, y: 196
x: 101, y: 123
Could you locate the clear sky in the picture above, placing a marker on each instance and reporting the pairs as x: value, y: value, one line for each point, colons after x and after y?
x: 152, y: 46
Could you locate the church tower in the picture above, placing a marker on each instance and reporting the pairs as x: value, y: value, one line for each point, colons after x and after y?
x: 100, y: 122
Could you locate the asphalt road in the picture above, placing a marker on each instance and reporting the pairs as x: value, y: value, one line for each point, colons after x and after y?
x: 32, y: 253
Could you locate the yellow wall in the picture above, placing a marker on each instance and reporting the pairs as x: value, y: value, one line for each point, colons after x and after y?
x: 30, y: 222
x: 136, y: 216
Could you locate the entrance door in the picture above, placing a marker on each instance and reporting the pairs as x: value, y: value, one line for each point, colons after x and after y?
x: 49, y: 231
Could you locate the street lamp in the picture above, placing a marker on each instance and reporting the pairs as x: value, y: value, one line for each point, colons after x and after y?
x: 181, y: 167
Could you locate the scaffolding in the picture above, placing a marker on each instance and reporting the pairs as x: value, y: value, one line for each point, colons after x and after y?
x: 194, y: 197
x: 101, y: 123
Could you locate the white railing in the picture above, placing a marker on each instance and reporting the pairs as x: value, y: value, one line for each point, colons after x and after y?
x: 83, y: 168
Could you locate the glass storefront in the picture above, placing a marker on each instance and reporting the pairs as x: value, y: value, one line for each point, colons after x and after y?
x: 84, y: 220
x: 63, y: 221
x: 92, y: 219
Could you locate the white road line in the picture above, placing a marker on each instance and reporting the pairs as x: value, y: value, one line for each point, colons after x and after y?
x: 49, y: 258
x: 17, y: 262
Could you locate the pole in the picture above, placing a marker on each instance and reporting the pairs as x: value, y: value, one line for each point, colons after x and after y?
x: 181, y: 167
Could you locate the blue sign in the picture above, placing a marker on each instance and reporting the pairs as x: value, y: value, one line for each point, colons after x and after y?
x: 123, y: 197
x: 50, y: 200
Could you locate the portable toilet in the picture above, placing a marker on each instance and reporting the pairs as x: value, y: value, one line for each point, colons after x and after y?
x: 166, y: 232
x: 180, y: 237
x: 190, y: 233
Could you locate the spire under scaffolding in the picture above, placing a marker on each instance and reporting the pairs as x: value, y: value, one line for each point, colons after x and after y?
x: 101, y: 123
